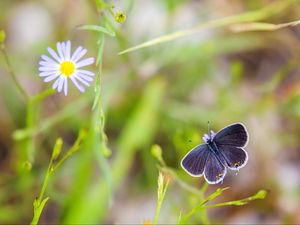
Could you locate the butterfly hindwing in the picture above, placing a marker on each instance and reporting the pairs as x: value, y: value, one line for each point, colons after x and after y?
x: 195, y: 160
x: 233, y: 135
x: 214, y: 171
x: 235, y: 157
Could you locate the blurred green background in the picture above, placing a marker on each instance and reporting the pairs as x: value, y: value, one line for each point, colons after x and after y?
x: 164, y: 95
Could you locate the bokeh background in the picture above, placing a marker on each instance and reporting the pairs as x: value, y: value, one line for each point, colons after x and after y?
x: 164, y: 95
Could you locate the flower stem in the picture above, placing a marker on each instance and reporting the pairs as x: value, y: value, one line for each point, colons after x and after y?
x: 13, y: 74
x: 39, y: 203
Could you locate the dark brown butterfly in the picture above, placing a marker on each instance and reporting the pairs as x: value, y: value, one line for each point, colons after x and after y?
x: 221, y: 150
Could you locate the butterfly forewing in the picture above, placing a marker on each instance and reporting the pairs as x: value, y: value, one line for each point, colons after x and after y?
x: 214, y: 171
x: 235, y: 157
x: 195, y: 160
x: 233, y: 135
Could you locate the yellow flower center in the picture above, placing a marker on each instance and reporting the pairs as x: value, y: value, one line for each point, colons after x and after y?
x: 67, y: 68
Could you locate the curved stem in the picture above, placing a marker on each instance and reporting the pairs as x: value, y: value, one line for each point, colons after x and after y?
x: 13, y: 75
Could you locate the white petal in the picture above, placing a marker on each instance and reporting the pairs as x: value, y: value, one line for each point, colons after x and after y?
x: 60, y: 84
x: 68, y: 50
x: 80, y: 55
x: 85, y: 62
x: 77, y: 51
x: 51, y: 77
x: 48, y: 64
x: 60, y: 50
x: 54, y: 55
x: 80, y: 88
x: 86, y: 72
x: 55, y: 84
x: 85, y: 77
x: 48, y: 59
x: 66, y: 86
x: 47, y: 69
x: 47, y: 73
x: 63, y: 47
x: 82, y: 80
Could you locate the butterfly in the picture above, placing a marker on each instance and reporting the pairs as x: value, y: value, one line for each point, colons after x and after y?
x: 221, y: 150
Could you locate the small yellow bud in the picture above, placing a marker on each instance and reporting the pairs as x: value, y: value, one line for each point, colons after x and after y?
x: 120, y: 17
x: 27, y: 165
x: 2, y: 38
x: 156, y: 151
x: 57, y: 148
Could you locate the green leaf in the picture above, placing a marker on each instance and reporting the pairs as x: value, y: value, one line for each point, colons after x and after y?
x: 98, y: 28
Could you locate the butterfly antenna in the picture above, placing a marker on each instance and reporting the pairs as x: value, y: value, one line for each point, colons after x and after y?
x: 208, y: 128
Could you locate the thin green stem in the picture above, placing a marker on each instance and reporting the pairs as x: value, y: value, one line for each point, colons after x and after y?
x: 40, y: 202
x: 72, y: 150
x: 157, y: 212
x: 30, y: 119
x: 13, y: 75
x: 46, y: 181
x: 41, y: 96
x: 69, y: 153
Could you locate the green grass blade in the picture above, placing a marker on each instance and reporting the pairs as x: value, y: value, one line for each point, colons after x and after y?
x: 242, y: 27
x: 98, y: 28
x: 252, y: 16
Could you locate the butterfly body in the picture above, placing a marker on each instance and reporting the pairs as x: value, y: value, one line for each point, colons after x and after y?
x: 221, y: 150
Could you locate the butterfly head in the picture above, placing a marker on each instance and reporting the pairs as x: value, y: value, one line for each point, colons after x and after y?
x: 208, y: 138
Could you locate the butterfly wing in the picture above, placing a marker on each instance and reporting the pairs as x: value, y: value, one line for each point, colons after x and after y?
x: 214, y: 171
x: 194, y: 161
x: 230, y: 141
x: 232, y: 135
x: 235, y: 157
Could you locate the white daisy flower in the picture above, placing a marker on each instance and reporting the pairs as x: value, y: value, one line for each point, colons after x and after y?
x: 64, y: 65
